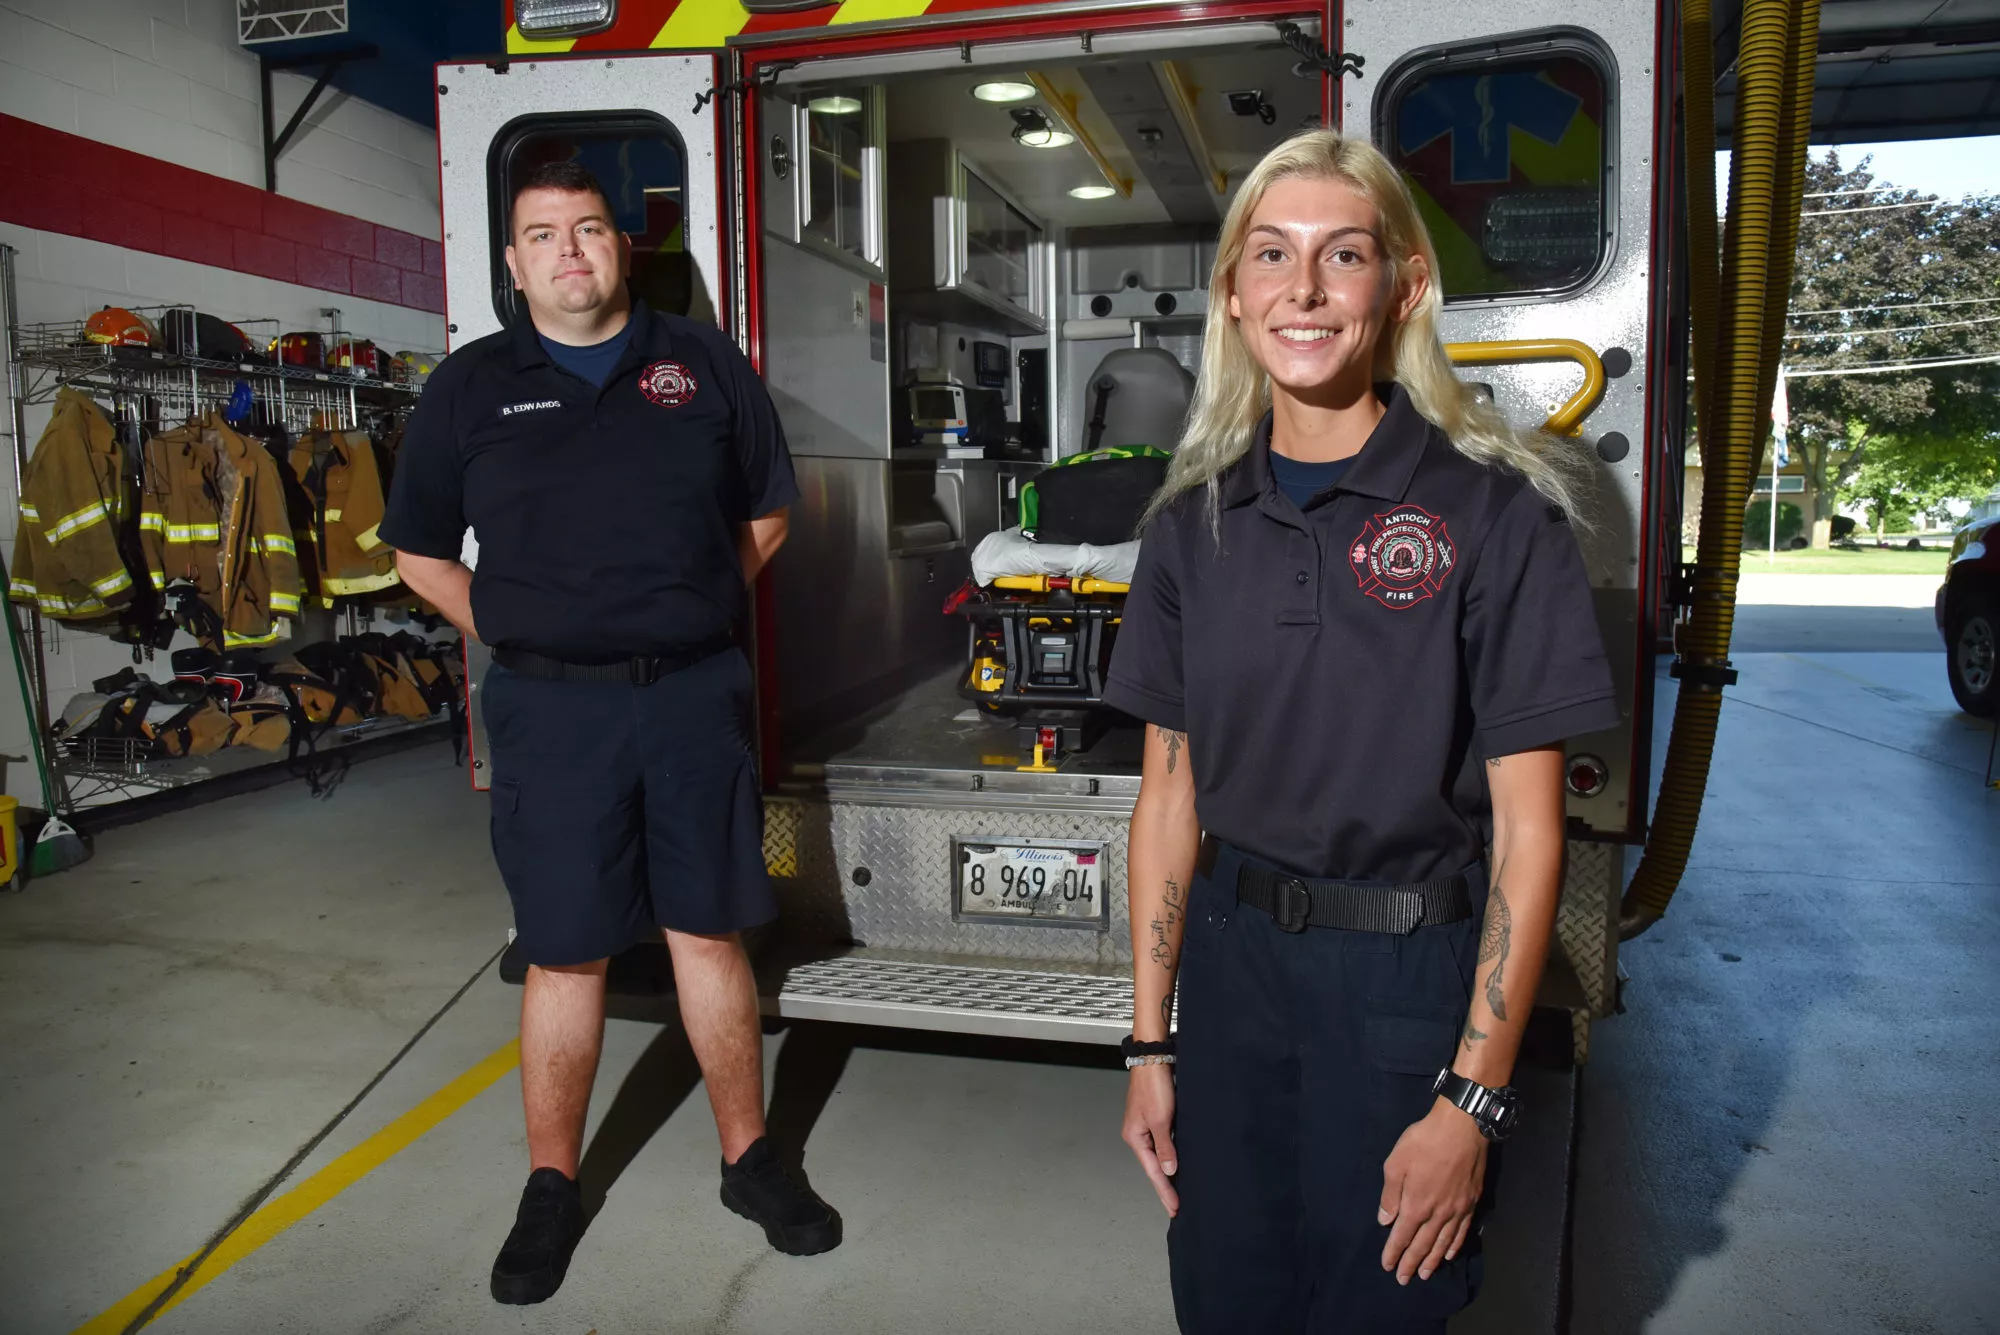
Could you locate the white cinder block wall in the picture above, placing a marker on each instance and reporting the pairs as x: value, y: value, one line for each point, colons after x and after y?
x: 166, y: 78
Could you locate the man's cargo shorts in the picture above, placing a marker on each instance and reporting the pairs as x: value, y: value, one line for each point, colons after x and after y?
x: 619, y: 809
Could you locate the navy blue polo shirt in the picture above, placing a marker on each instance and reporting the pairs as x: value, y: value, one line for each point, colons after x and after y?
x: 606, y: 517
x: 1341, y: 672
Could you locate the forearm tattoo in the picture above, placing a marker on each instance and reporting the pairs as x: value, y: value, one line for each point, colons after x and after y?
x: 1175, y: 902
x: 1174, y: 742
x: 1171, y: 912
x: 1494, y: 947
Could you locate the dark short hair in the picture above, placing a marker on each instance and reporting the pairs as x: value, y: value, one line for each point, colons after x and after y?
x: 571, y: 178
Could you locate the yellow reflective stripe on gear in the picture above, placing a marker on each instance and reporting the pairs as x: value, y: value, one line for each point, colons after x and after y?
x: 278, y: 542
x: 30, y: 513
x: 369, y: 538
x: 152, y: 521
x: 194, y: 533
x: 365, y: 584
x: 284, y: 602
x: 159, y: 580
x: 57, y: 605
x: 231, y: 640
x: 333, y: 516
x: 21, y: 588
x: 72, y: 524
x: 111, y: 584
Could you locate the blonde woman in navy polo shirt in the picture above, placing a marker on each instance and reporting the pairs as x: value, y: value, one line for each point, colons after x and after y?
x: 1358, y: 632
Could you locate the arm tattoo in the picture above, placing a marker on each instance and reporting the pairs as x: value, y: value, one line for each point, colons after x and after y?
x: 1175, y: 900
x: 1174, y: 742
x: 1173, y: 909
x: 1493, y: 762
x: 1472, y: 1034
x: 1494, y: 945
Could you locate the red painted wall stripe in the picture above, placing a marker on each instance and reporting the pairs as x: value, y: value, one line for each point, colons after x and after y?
x: 54, y: 181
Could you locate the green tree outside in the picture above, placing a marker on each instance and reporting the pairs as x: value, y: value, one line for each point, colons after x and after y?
x: 1901, y: 443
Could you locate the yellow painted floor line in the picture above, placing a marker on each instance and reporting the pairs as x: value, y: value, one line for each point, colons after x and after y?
x: 309, y: 1195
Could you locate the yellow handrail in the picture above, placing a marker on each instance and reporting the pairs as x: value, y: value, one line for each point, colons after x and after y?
x: 1568, y: 419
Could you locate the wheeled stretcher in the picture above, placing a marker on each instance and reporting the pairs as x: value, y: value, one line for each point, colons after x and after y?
x: 1041, y: 621
x: 1045, y: 600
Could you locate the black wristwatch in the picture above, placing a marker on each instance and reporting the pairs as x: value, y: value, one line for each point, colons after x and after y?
x: 1494, y: 1111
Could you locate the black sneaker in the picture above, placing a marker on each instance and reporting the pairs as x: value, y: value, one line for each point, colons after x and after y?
x: 532, y: 1263
x: 795, y: 1219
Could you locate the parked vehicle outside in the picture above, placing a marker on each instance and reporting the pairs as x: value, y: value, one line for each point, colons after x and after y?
x: 1968, y: 615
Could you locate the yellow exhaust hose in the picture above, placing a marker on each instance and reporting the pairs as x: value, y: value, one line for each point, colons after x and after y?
x: 1736, y: 340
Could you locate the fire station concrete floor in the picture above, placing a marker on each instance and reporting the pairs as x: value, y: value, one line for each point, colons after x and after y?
x: 1790, y: 1130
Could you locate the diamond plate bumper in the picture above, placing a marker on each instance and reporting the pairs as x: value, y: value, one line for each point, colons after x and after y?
x: 941, y: 994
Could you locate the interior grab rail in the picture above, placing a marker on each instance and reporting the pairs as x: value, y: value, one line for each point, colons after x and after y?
x: 1566, y: 420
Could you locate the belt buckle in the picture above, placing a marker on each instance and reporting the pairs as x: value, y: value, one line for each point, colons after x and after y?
x: 1291, y: 904
x: 645, y: 671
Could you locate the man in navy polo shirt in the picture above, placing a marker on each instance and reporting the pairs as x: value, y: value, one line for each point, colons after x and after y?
x: 625, y: 477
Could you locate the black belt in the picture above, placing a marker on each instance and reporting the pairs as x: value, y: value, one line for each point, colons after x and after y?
x: 1299, y: 902
x: 640, y: 671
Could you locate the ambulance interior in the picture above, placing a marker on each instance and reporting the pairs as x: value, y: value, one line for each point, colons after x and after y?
x: 970, y: 272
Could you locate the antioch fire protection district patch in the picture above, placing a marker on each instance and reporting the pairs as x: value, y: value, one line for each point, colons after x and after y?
x: 1402, y: 556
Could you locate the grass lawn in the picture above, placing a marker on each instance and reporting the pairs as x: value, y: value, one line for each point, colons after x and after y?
x: 1867, y: 561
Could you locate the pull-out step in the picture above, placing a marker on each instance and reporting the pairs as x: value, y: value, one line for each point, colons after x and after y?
x: 1020, y: 1000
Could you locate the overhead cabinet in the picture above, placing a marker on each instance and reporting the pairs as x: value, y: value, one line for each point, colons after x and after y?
x: 960, y: 247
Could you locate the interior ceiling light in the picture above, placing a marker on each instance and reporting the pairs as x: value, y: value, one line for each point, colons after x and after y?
x: 1033, y: 130
x: 1092, y: 192
x: 1003, y: 90
x: 540, y: 20
x: 837, y: 104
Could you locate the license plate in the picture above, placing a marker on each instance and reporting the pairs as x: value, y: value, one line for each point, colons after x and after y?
x: 1055, y: 882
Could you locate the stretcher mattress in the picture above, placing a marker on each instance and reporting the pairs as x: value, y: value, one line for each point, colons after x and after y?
x: 1008, y: 553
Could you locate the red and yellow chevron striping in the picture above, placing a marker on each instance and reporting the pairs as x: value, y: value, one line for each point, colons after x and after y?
x: 683, y: 24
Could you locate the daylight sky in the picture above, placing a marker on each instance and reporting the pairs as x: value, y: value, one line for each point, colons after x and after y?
x: 1950, y: 168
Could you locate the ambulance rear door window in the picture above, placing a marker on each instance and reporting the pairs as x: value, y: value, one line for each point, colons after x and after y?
x: 640, y: 162
x: 1508, y: 158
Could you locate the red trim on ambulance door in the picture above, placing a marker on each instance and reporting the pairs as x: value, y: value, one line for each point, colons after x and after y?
x: 1659, y: 358
x: 1011, y: 28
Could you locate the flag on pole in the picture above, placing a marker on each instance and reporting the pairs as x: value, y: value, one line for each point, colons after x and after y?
x: 1781, y: 416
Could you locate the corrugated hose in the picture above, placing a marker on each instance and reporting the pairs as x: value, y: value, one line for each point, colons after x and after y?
x: 1736, y: 324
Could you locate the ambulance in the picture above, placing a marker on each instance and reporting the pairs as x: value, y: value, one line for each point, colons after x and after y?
x: 940, y: 228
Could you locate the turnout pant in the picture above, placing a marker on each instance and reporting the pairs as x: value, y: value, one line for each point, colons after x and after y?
x: 1302, y: 1058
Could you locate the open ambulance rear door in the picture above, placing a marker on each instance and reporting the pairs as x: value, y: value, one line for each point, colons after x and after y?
x: 651, y: 130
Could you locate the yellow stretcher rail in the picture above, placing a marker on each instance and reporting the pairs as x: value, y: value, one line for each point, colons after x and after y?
x: 1568, y: 419
x: 1041, y: 584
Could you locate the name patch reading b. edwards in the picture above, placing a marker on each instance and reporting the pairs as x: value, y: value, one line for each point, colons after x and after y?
x: 1402, y: 556
x: 537, y: 406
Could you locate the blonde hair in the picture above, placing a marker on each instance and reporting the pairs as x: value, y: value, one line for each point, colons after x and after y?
x: 1233, y: 393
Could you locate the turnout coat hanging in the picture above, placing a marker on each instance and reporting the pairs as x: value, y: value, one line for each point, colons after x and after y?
x: 66, y: 557
x: 213, y: 514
